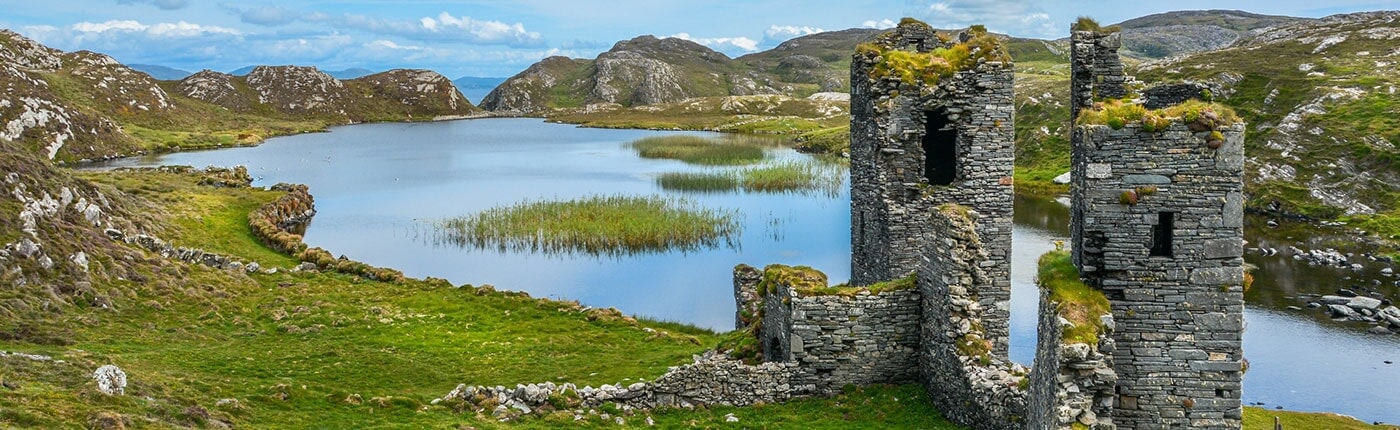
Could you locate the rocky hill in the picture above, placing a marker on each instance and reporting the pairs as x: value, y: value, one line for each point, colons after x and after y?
x: 1174, y: 33
x: 647, y: 71
x: 1320, y: 98
x: 85, y: 105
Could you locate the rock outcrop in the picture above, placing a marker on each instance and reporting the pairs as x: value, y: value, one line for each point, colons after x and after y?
x: 415, y: 92
x: 214, y: 87
x: 299, y: 90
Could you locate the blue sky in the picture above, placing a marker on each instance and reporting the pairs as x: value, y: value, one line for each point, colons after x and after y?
x: 500, y: 38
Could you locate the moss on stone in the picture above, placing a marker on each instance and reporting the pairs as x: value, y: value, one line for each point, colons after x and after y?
x: 1197, y: 115
x: 928, y: 68
x: 798, y: 278
x: 1076, y: 302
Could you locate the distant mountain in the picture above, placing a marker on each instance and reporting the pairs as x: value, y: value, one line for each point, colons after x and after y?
x: 649, y: 71
x: 85, y: 105
x: 161, y: 72
x: 1173, y: 33
x: 351, y: 73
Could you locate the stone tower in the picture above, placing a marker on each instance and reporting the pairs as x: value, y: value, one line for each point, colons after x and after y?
x: 918, y: 143
x: 1158, y: 227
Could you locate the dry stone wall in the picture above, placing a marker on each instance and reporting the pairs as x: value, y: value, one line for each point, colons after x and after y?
x: 964, y: 377
x: 1170, y: 262
x: 862, y: 338
x: 891, y: 190
x: 1072, y: 383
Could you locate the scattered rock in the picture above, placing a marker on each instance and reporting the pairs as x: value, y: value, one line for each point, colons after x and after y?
x: 730, y: 418
x: 1379, y: 330
x: 110, y: 380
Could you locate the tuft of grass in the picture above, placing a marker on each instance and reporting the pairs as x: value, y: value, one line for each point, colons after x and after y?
x: 1085, y: 23
x: 700, y: 150
x: 1078, y: 303
x: 789, y: 176
x: 1118, y: 114
x: 595, y: 225
x: 800, y: 278
x: 705, y: 182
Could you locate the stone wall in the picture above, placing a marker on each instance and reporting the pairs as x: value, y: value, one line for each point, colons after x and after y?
x: 1071, y: 382
x: 712, y: 380
x: 746, y: 300
x: 1096, y: 73
x: 854, y: 337
x: 965, y: 378
x: 1175, y: 289
x: 891, y: 196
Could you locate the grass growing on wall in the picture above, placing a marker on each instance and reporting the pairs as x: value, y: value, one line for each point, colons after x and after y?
x: 596, y: 225
x: 1078, y: 303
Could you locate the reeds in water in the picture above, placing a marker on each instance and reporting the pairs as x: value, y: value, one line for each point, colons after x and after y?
x: 596, y: 225
x: 701, y: 150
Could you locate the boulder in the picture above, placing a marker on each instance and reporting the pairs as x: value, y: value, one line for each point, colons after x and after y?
x: 110, y: 379
x: 1062, y: 179
x: 1364, y: 303
x: 1340, y: 311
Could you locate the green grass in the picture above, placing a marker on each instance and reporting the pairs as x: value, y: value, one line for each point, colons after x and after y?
x: 1078, y: 303
x: 596, y: 225
x: 789, y: 176
x: 833, y: 141
x: 213, y: 221
x: 705, y: 182
x: 782, y: 177
x: 700, y: 150
x: 1263, y: 419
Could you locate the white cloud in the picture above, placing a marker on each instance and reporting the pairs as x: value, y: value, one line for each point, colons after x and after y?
x: 388, y: 44
x: 732, y: 46
x: 164, y: 29
x: 781, y: 33
x: 1025, y: 18
x: 881, y: 24
x: 480, y: 31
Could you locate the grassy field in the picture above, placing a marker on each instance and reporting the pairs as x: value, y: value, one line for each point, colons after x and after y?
x: 597, y: 225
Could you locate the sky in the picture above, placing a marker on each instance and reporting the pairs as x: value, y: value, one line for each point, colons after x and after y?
x: 500, y: 38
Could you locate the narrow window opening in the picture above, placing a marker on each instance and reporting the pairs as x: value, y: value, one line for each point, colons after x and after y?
x: 940, y: 149
x: 1162, y: 235
x: 775, y: 350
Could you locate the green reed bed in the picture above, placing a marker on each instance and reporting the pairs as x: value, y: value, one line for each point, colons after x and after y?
x: 595, y: 225
x: 704, y: 182
x: 783, y: 177
x: 728, y: 151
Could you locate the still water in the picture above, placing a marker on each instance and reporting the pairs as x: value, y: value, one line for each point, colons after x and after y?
x: 376, y: 185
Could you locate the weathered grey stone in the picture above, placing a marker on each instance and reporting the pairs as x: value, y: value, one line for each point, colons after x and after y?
x: 1146, y: 179
x: 1098, y: 171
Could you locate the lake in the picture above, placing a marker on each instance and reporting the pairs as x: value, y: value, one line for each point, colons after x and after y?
x: 377, y: 185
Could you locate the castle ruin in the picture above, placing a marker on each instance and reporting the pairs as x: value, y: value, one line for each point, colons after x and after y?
x: 1157, y: 210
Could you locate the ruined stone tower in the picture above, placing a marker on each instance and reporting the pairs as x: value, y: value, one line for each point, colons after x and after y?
x: 1157, y: 226
x: 924, y: 136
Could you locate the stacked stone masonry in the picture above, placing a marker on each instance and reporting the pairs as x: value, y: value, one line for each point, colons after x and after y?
x: 891, y: 193
x: 1178, y: 305
x: 859, y: 339
x: 1072, y: 383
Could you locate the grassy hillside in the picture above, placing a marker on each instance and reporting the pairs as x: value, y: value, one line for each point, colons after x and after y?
x: 1320, y: 101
